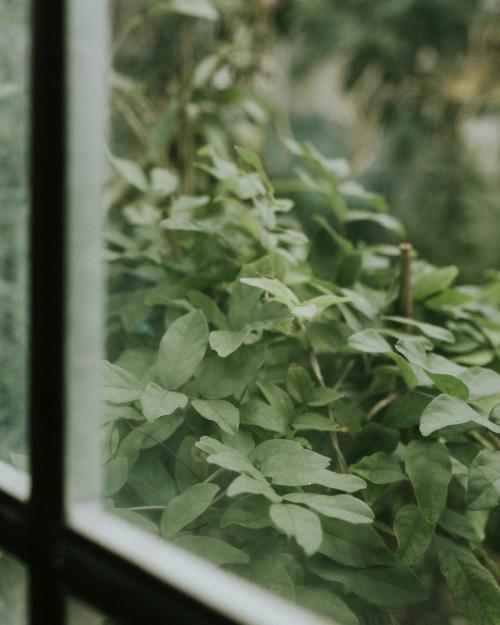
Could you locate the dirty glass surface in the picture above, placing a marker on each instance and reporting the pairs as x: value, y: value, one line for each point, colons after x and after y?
x: 14, y: 212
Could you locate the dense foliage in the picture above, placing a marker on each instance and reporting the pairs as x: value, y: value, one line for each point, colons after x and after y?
x: 269, y: 406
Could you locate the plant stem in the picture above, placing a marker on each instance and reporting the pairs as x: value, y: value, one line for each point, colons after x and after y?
x: 405, y: 295
x: 333, y: 435
x: 213, y: 475
x: 186, y: 128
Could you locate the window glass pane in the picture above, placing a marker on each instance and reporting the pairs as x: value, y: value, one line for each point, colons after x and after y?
x: 13, y: 591
x: 14, y: 207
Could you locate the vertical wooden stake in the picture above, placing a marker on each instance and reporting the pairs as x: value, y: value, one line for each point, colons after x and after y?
x: 405, y: 296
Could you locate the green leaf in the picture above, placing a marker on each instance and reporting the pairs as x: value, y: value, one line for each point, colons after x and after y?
x: 120, y: 386
x: 385, y: 586
x: 369, y: 342
x: 413, y: 532
x: 380, y: 468
x: 225, y: 342
x: 434, y: 332
x: 155, y: 433
x: 445, y: 411
x: 428, y: 466
x: 313, y: 421
x: 382, y: 219
x: 222, y: 412
x: 182, y: 349
x: 323, y: 600
x: 298, y: 383
x: 299, y: 523
x: 484, y: 481
x: 434, y: 282
x: 458, y: 524
x: 354, y: 545
x: 150, y: 481
x: 244, y: 484
x: 343, y: 507
x: 249, y: 511
x: 230, y: 459
x: 406, y: 411
x: 473, y: 588
x: 267, y: 571
x: 323, y: 396
x: 131, y: 172
x: 272, y: 447
x: 187, y: 507
x: 156, y: 402
x: 275, y: 288
x: 256, y: 412
x: 209, y: 308
x: 338, y: 481
x: 294, y: 469
x: 163, y: 181
x: 116, y: 471
x: 222, y: 377
x: 481, y: 382
x: 216, y: 551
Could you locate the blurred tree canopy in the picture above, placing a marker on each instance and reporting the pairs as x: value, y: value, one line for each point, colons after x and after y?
x: 422, y: 77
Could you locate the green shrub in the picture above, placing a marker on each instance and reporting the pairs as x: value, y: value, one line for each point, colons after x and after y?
x: 269, y: 408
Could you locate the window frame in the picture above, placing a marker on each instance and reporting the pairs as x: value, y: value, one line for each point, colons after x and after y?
x: 53, y: 520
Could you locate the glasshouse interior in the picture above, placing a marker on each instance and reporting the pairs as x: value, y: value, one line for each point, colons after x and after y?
x: 250, y: 312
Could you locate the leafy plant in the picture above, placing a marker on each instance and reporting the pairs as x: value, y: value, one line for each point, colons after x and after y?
x: 269, y: 408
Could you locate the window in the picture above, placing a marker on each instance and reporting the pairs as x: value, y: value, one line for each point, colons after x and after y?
x: 222, y: 405
x: 71, y: 545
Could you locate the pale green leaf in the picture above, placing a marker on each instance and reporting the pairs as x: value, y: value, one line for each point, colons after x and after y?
x: 294, y: 469
x: 444, y: 411
x: 299, y: 523
x: 343, y: 507
x: 129, y: 171
x: 182, y: 349
x: 369, y: 342
x: 484, y: 481
x: 156, y: 402
x: 434, y: 282
x: 187, y: 507
x: 222, y: 412
x: 225, y: 342
x: 245, y: 484
x: 323, y: 600
x: 120, y: 386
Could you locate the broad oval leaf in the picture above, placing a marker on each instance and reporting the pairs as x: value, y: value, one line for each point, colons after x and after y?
x: 380, y: 468
x: 249, y: 485
x: 445, y: 410
x: 413, y: 532
x: 473, y: 588
x: 156, y: 402
x: 385, y: 586
x: 428, y: 466
x: 120, y: 386
x: 182, y: 349
x: 343, y: 507
x: 299, y: 523
x: 187, y: 507
x: 484, y: 481
x: 359, y: 546
x: 222, y: 412
x: 369, y: 342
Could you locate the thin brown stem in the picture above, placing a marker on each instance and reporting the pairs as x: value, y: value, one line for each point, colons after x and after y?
x: 405, y: 294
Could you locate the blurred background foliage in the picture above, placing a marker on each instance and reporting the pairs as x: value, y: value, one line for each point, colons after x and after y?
x: 408, y: 90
